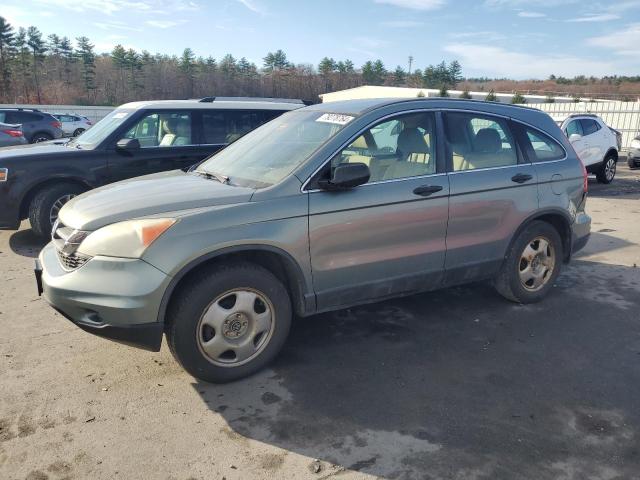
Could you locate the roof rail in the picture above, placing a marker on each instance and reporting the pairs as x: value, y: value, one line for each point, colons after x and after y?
x: 583, y: 115
x: 251, y: 99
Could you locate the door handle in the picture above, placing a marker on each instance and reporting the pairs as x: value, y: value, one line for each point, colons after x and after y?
x: 426, y: 190
x: 521, y: 178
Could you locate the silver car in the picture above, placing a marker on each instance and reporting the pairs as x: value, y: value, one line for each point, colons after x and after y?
x: 323, y: 208
x: 73, y: 125
x: 11, y: 135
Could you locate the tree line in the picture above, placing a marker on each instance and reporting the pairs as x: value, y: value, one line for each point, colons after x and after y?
x: 55, y: 69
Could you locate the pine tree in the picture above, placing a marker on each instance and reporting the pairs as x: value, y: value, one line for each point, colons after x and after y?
x: 87, y: 58
x: 518, y: 99
x: 326, y: 66
x: 68, y: 57
x: 455, y: 73
x: 443, y: 91
x: 465, y: 94
x: 188, y: 69
x: 491, y: 96
x: 276, y: 61
x: 23, y: 61
x: 399, y: 76
x: 6, y: 50
x: 38, y: 48
x: 228, y: 66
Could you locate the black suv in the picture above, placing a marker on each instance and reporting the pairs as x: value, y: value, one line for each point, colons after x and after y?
x: 37, y: 126
x: 135, y: 139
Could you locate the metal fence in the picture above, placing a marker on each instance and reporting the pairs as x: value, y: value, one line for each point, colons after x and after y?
x: 93, y: 113
x: 623, y: 116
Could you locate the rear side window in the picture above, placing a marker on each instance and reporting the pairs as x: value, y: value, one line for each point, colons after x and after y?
x: 542, y: 148
x: 479, y: 141
x: 589, y: 126
x: 226, y: 126
x: 22, y: 117
x: 574, y: 128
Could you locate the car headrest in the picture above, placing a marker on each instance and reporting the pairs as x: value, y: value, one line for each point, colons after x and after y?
x: 169, y: 126
x: 488, y: 141
x: 411, y: 141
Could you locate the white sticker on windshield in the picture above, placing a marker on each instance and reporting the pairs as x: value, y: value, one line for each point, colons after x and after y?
x: 120, y: 115
x: 335, y: 118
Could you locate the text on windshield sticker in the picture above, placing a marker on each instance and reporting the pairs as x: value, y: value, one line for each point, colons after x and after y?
x: 335, y: 118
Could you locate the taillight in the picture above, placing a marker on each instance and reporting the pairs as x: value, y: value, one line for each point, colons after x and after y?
x: 56, y: 124
x: 13, y: 133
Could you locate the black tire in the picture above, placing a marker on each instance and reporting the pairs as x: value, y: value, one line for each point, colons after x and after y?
x: 43, y: 202
x: 194, y: 298
x: 631, y: 163
x: 602, y: 174
x: 508, y: 282
x: 41, y: 137
x: 78, y: 131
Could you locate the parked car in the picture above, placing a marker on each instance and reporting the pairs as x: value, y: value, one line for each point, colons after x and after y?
x: 633, y: 157
x: 323, y: 208
x: 37, y: 126
x: 11, y: 135
x: 596, y: 144
x: 73, y: 125
x: 133, y: 140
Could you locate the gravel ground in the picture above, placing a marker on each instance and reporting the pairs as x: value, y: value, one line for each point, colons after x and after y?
x: 451, y: 384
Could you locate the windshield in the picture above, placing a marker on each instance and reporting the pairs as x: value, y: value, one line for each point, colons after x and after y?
x: 268, y: 154
x: 101, y: 130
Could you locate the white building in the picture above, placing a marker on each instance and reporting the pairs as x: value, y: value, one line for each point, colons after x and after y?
x: 370, y: 91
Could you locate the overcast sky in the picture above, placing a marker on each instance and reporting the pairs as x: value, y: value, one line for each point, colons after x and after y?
x: 495, y: 38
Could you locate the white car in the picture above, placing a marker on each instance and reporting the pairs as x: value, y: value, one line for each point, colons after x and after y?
x: 73, y: 125
x: 596, y: 144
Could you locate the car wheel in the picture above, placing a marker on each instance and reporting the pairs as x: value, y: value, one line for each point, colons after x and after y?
x: 41, y: 137
x: 607, y: 171
x: 531, y: 265
x: 46, y: 205
x: 228, y: 322
x: 78, y: 131
x: 631, y: 163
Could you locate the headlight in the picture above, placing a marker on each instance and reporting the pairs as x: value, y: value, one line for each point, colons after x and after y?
x: 635, y: 143
x: 125, y: 239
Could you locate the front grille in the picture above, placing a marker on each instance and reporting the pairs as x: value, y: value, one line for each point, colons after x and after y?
x: 72, y: 261
x: 67, y: 240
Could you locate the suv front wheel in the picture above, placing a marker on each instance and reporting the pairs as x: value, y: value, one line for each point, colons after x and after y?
x: 607, y: 171
x: 229, y: 322
x: 532, y: 264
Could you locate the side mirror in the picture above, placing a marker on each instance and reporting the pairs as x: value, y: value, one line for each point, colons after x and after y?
x: 128, y: 144
x: 574, y: 136
x: 347, y: 175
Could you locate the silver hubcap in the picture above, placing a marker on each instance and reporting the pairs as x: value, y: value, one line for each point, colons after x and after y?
x: 57, y: 205
x: 536, y: 264
x: 235, y: 327
x: 610, y: 169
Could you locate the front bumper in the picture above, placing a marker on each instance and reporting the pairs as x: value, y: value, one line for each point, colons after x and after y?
x: 115, y: 298
x: 633, y: 157
x: 580, y: 232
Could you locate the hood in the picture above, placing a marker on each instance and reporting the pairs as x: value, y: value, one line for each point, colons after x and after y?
x: 149, y: 195
x: 37, y: 150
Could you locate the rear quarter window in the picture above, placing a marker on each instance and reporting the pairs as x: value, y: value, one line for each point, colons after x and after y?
x: 589, y: 126
x: 541, y: 147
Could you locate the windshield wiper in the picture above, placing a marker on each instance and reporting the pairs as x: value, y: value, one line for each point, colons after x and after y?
x: 215, y: 176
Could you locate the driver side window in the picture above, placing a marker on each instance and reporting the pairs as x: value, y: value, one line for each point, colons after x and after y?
x: 162, y: 130
x: 398, y: 148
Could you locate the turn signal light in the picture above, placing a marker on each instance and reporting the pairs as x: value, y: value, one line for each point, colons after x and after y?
x: 4, y: 173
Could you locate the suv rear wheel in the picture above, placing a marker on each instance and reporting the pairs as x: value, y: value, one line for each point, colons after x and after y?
x: 229, y: 322
x: 41, y: 137
x: 78, y: 131
x: 45, y: 206
x: 532, y: 264
x: 607, y: 171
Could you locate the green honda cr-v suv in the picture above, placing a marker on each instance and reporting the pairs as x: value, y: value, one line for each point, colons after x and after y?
x: 322, y: 208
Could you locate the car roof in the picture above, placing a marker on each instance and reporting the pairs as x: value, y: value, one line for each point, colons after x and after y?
x: 214, y: 105
x: 361, y: 106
